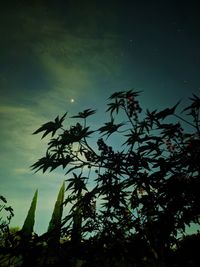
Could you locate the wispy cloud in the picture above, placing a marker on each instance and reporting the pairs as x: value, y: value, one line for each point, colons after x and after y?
x: 71, y: 64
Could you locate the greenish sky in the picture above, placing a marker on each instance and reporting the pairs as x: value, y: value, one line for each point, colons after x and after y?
x: 53, y: 51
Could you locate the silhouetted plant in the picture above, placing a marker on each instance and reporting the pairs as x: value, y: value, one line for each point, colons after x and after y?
x: 6, y: 214
x: 22, y: 247
x: 56, y: 219
x: 150, y: 187
x: 140, y: 190
x: 27, y: 228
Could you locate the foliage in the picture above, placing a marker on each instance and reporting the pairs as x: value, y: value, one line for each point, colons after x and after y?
x: 5, y: 211
x: 56, y: 219
x: 135, y: 194
x: 6, y: 214
x: 149, y: 188
x: 16, y: 242
x: 27, y: 228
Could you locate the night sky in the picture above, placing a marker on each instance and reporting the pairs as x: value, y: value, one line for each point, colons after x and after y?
x: 55, y: 51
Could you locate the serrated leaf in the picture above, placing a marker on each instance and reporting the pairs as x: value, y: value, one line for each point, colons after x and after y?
x: 125, y: 94
x: 166, y: 112
x: 114, y: 106
x: 110, y: 127
x: 116, y: 95
x: 84, y: 114
x: 195, y: 103
x: 77, y: 183
x: 51, y: 126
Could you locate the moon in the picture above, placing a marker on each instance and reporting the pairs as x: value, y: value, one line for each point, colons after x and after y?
x: 72, y: 100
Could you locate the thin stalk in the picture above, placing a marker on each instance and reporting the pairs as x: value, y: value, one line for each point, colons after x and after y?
x: 184, y: 120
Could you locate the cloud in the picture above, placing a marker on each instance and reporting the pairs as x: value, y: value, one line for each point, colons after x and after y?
x: 18, y: 124
x: 70, y: 63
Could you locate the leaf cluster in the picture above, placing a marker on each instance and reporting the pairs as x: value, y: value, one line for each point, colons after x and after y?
x: 145, y: 184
